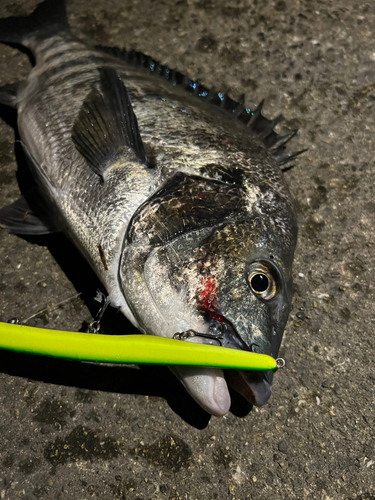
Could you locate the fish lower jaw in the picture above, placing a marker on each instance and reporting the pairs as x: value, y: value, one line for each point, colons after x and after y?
x: 207, y: 386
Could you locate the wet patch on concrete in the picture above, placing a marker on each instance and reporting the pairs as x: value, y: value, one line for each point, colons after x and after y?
x: 81, y: 444
x: 53, y: 412
x: 222, y: 457
x: 83, y: 396
x: 29, y: 465
x: 169, y: 452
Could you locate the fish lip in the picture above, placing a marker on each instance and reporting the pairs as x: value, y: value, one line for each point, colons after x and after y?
x: 252, y: 385
x: 223, y: 330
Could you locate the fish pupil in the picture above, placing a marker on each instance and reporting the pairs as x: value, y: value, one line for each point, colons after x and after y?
x: 259, y: 282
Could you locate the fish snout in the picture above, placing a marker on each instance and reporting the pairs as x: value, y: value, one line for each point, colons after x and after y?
x: 241, y: 337
x: 254, y: 386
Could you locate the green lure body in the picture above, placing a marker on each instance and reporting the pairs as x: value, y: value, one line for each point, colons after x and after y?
x: 140, y: 349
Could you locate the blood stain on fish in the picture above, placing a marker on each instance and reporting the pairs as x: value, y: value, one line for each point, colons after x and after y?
x: 207, y: 296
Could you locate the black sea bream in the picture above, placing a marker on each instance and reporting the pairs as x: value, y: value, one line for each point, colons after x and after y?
x: 173, y: 193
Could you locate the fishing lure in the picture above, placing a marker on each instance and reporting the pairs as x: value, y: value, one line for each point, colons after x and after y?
x: 140, y: 349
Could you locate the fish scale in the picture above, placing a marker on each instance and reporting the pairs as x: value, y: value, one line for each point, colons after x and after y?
x: 170, y: 190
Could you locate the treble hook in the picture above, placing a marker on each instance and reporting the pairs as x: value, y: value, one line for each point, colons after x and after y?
x: 191, y: 333
x: 94, y: 326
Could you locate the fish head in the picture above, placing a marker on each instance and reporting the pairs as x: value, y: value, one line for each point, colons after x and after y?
x: 244, y: 286
x: 246, y: 291
x: 227, y: 278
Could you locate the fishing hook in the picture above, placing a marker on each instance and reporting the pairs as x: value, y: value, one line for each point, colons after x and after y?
x: 191, y: 333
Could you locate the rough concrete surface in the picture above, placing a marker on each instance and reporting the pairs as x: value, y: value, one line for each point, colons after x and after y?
x: 81, y: 431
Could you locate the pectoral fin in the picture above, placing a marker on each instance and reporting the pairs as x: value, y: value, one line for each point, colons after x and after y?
x: 19, y: 218
x: 106, y: 129
x: 8, y: 94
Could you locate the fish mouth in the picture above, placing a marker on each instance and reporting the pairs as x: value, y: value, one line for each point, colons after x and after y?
x: 254, y: 386
x: 209, y: 386
x: 222, y: 331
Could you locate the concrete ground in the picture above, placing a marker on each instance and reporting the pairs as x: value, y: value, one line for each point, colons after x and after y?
x: 81, y: 431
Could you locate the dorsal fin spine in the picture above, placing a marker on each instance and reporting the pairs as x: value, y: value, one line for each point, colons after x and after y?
x: 268, y: 129
x: 282, y: 140
x: 255, y: 115
x: 254, y: 120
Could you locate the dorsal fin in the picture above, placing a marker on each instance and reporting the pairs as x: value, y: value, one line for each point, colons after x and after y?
x: 257, y: 123
x: 106, y: 128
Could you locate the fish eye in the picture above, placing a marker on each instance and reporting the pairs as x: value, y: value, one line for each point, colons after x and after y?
x: 262, y: 281
x: 259, y: 283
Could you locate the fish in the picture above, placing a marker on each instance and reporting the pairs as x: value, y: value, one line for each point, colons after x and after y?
x: 173, y: 192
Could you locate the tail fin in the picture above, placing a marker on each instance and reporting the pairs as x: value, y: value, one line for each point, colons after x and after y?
x: 47, y: 19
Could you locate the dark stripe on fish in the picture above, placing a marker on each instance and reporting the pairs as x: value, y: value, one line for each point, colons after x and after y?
x: 64, y: 69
